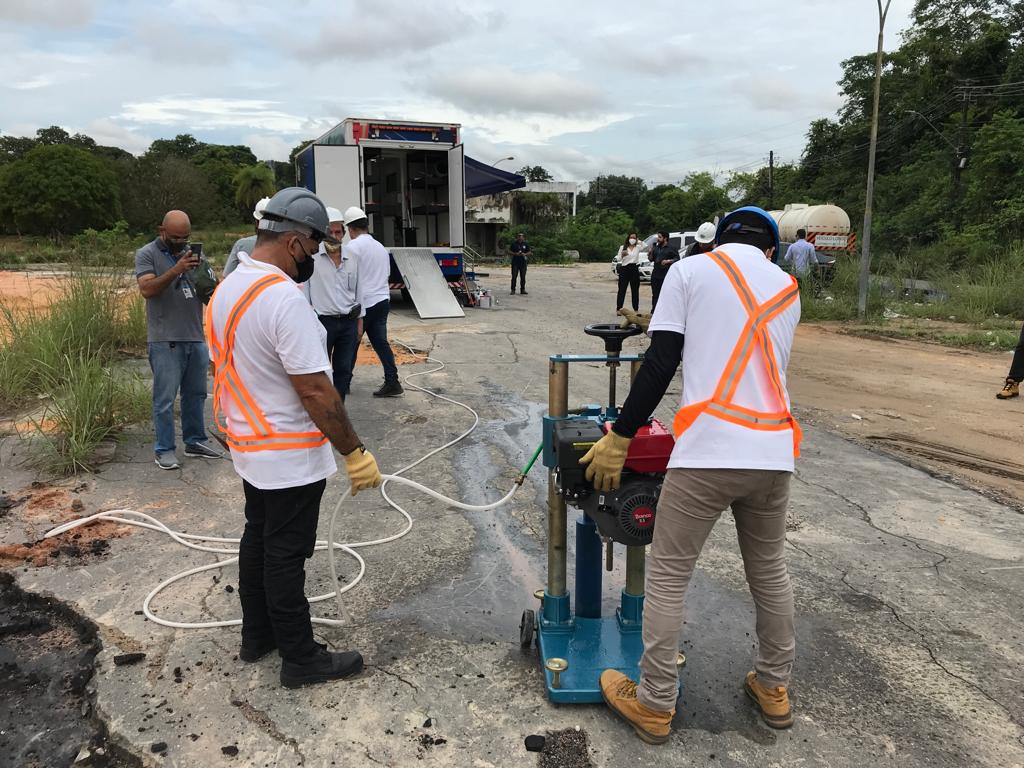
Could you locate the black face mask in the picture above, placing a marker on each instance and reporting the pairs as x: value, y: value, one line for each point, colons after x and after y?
x: 305, y: 267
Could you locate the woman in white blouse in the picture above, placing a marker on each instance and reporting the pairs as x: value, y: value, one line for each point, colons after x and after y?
x: 630, y: 253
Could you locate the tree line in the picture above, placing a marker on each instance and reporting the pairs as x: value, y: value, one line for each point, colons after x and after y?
x: 57, y: 184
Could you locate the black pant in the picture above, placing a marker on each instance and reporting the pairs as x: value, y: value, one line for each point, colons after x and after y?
x: 342, y: 345
x: 629, y: 274
x: 656, y: 282
x: 1017, y: 366
x: 279, y: 536
x: 519, y: 270
x: 376, y: 326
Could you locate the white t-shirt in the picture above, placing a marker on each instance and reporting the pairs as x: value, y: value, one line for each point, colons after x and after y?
x: 698, y: 300
x: 279, y: 335
x: 374, y: 266
x: 333, y: 290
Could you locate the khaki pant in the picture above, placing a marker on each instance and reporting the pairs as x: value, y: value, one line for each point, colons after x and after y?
x: 690, y: 504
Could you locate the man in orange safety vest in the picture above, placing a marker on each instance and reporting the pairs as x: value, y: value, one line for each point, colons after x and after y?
x: 281, y: 415
x: 736, y: 441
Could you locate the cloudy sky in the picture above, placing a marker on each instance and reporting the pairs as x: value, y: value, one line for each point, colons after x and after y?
x: 654, y: 88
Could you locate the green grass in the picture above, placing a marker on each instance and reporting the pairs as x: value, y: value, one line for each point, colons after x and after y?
x: 67, y: 356
x: 110, y: 248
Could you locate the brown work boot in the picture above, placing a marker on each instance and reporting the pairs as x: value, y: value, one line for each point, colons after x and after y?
x: 1010, y: 389
x: 773, y: 702
x: 620, y: 694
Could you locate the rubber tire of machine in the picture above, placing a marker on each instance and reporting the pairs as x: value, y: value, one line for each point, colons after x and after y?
x: 527, y: 628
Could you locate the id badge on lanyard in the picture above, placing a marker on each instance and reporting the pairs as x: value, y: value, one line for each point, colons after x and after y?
x: 186, y: 288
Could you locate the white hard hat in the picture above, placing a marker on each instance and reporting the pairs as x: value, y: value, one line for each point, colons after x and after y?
x: 333, y: 214
x: 257, y: 212
x: 705, y: 232
x: 354, y: 214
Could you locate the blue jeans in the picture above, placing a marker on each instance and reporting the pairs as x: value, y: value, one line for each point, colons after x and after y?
x: 376, y: 326
x: 178, y: 365
x: 342, y: 345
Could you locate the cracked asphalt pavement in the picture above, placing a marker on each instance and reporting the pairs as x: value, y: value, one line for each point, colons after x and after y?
x: 909, y: 591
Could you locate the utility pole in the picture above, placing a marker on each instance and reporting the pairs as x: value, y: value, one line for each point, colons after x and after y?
x: 961, y: 156
x: 865, y: 253
x: 771, y: 179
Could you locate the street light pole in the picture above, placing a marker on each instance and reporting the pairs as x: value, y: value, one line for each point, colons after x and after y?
x: 865, y: 253
x: 495, y: 163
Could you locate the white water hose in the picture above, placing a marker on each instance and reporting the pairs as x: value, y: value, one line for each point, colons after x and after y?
x: 203, y: 543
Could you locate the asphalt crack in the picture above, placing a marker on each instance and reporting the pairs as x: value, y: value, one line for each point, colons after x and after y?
x: 264, y: 722
x: 388, y: 672
x: 515, y: 349
x: 866, y: 517
x: 923, y: 642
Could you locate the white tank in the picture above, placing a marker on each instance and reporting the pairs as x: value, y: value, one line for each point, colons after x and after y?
x: 813, y: 218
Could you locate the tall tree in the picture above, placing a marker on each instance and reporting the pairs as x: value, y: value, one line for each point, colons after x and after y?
x: 253, y: 183
x: 58, y: 190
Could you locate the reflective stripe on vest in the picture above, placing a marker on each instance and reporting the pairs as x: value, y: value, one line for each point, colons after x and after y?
x: 753, y: 335
x: 226, y: 382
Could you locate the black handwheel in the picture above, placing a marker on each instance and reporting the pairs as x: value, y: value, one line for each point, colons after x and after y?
x: 527, y: 628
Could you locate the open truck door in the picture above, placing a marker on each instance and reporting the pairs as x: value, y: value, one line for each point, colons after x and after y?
x: 339, y: 175
x: 456, y: 196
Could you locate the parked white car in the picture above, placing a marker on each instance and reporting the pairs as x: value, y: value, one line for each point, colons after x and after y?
x: 678, y: 240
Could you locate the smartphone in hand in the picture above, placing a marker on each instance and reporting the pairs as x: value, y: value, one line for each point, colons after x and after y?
x: 196, y: 248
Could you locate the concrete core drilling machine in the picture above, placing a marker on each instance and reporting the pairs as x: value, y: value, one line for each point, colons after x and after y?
x: 577, y: 643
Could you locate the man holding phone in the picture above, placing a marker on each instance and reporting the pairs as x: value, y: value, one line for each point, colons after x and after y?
x: 178, y: 355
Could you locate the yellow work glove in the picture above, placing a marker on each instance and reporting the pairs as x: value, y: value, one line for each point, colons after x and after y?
x: 605, y: 459
x: 362, y: 470
x: 629, y: 317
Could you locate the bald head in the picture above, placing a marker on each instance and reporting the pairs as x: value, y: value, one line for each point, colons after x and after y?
x: 176, y: 230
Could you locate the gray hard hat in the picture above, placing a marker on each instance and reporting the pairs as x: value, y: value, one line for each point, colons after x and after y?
x: 296, y: 209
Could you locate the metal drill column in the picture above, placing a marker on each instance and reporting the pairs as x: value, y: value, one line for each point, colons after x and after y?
x: 558, y: 407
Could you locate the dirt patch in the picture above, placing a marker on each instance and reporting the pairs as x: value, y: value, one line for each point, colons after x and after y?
x: 29, y: 290
x: 47, y: 657
x: 366, y: 355
x: 40, y: 505
x: 566, y: 749
x: 932, y: 406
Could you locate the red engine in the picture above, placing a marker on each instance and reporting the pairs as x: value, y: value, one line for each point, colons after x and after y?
x: 650, y: 450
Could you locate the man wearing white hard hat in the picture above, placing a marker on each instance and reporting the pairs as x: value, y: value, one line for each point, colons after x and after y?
x: 374, y: 267
x: 704, y: 240
x: 245, y: 244
x: 333, y: 290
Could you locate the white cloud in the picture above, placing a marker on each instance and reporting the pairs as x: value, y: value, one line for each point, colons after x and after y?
x: 769, y: 94
x: 112, y: 134
x: 213, y: 113
x: 270, y: 147
x: 59, y: 13
x: 507, y: 92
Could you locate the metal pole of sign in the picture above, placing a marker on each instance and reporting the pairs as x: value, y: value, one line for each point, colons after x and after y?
x: 865, y: 243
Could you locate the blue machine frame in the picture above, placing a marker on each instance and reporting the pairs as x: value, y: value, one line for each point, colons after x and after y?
x: 588, y: 641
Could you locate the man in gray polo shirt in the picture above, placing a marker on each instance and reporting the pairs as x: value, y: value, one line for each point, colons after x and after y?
x: 177, y: 350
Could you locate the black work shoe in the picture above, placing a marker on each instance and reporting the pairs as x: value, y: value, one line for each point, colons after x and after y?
x: 523, y: 293
x: 390, y: 389
x: 250, y: 652
x: 323, y: 666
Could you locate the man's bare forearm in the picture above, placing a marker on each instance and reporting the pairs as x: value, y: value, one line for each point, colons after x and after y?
x: 328, y: 413
x: 158, y: 283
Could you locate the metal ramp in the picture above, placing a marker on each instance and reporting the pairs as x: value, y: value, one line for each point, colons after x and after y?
x: 426, y: 284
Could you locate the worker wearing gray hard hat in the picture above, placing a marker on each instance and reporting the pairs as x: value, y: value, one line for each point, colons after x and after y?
x: 280, y: 415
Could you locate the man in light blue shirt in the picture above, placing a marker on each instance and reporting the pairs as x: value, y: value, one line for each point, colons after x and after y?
x: 801, y: 255
x: 334, y: 292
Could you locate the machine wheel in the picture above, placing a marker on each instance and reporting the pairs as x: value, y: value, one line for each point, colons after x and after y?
x: 527, y: 628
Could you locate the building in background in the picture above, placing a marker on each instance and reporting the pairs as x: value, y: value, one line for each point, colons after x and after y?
x: 488, y: 215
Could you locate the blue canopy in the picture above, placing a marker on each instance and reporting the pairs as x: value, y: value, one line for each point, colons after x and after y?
x: 483, y: 179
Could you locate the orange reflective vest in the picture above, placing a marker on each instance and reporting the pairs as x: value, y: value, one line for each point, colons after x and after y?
x: 755, y: 334
x: 227, y: 383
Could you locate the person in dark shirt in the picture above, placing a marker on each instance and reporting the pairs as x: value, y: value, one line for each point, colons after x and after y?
x: 520, y: 250
x: 664, y: 256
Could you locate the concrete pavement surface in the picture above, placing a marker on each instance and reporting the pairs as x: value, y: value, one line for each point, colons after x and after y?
x: 909, y: 591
